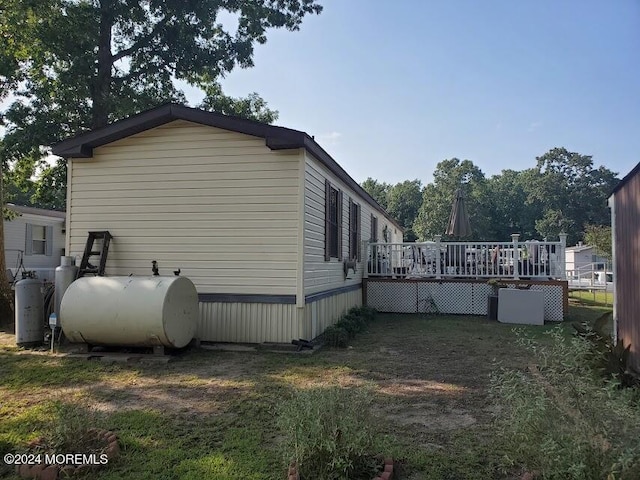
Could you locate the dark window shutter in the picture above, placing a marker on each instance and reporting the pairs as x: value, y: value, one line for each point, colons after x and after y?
x: 48, y: 249
x: 340, y: 195
x: 28, y: 240
x: 359, y: 237
x: 374, y: 228
x: 327, y: 203
x: 351, y: 232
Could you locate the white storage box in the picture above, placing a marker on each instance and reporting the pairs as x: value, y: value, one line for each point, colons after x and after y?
x: 521, y: 306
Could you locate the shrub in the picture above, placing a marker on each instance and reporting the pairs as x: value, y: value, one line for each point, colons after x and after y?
x: 351, y: 323
x: 70, y: 431
x: 71, y: 428
x: 336, y: 336
x: 365, y: 312
x: 610, y: 359
x: 561, y: 419
x: 329, y: 433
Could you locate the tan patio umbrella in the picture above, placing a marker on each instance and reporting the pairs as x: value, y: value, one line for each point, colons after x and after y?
x: 459, y: 225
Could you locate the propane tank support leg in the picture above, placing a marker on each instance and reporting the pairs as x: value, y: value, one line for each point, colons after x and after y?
x: 158, y: 350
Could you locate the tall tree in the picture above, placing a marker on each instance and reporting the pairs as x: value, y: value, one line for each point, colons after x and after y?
x: 403, y: 202
x: 572, y: 193
x: 437, y: 200
x: 514, y: 211
x: 600, y: 237
x: 74, y: 65
x: 378, y: 191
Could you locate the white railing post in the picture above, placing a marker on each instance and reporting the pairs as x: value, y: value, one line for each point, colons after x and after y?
x: 516, y: 256
x: 563, y: 246
x: 368, y: 262
x: 437, y: 256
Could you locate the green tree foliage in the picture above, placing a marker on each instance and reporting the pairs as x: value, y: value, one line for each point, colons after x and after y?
x: 378, y: 191
x: 600, y: 237
x: 68, y: 66
x: 403, y: 202
x: 572, y: 193
x: 253, y: 106
x: 514, y: 211
x: 74, y: 65
x: 437, y: 200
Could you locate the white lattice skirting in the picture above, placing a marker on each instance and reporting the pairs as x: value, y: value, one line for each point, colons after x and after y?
x: 454, y: 297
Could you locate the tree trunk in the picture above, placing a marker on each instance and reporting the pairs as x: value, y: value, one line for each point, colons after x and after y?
x: 6, y: 294
x: 101, y: 92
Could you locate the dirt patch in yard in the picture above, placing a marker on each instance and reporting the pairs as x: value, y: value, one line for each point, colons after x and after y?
x: 430, y: 415
x: 213, y: 411
x: 179, y: 396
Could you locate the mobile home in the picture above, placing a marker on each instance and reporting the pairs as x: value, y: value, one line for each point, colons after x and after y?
x: 263, y: 220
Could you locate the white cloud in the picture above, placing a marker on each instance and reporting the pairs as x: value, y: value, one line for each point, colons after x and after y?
x: 534, y: 126
x: 331, y: 138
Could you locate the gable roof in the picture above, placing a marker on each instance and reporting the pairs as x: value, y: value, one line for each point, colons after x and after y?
x: 276, y: 138
x: 627, y: 177
x: 578, y: 248
x: 35, y: 211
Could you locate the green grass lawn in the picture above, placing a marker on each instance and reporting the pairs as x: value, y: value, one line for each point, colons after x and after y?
x: 210, y: 414
x: 595, y: 298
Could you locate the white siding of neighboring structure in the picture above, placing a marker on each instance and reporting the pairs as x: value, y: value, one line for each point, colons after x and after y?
x: 321, y: 275
x: 15, y: 239
x: 577, y: 259
x: 219, y: 205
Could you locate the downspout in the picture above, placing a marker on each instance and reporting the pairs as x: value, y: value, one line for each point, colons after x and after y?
x: 300, y: 276
x: 612, y: 206
x: 67, y: 218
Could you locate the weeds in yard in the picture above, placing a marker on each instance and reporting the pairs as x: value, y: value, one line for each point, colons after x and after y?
x: 561, y: 419
x: 609, y: 358
x: 70, y: 429
x: 329, y: 433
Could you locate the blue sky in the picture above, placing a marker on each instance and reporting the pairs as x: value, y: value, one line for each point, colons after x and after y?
x: 392, y: 88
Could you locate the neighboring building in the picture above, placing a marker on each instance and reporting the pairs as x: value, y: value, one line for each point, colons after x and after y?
x: 625, y: 226
x: 34, y: 241
x: 583, y: 259
x: 259, y: 217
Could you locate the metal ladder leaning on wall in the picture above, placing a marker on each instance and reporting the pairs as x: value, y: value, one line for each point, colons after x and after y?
x: 87, y: 268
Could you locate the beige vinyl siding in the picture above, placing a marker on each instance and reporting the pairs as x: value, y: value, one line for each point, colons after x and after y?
x: 259, y: 322
x: 219, y: 205
x: 321, y: 275
x: 249, y: 322
x: 322, y: 313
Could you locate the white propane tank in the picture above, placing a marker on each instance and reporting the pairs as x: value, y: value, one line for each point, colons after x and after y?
x: 65, y: 275
x: 130, y: 311
x: 29, y: 312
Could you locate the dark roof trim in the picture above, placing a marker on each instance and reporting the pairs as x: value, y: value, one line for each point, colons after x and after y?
x: 314, y: 297
x: 36, y: 211
x: 628, y: 177
x: 276, y: 138
x: 246, y: 298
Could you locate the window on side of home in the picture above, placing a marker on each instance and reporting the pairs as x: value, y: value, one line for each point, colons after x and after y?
x: 374, y: 228
x: 38, y: 240
x: 354, y: 231
x: 333, y: 222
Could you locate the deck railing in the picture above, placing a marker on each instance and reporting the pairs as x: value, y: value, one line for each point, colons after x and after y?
x: 592, y: 276
x: 438, y: 259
